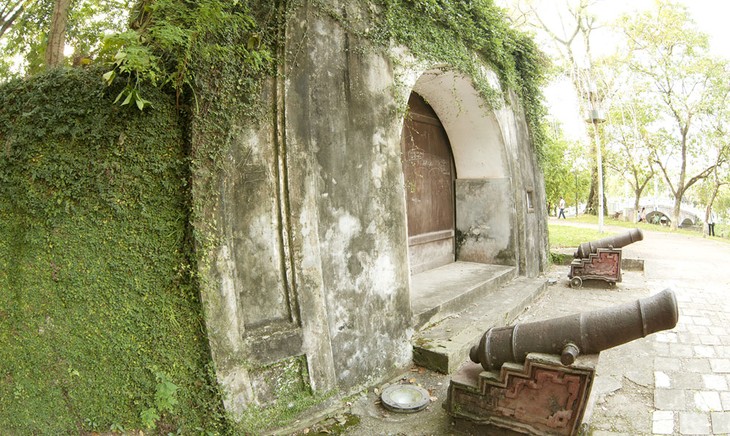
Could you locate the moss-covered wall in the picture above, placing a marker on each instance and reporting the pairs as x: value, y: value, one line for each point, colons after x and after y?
x: 100, y: 321
x: 302, y: 224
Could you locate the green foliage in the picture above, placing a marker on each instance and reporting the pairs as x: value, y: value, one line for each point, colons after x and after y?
x: 88, y: 23
x: 100, y: 317
x: 171, y: 40
x: 566, y: 172
x: 463, y: 34
x: 177, y: 42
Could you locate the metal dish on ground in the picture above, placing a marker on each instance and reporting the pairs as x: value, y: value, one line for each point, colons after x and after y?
x: 404, y: 398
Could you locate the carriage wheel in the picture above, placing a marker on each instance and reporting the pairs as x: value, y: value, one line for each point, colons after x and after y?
x: 576, y: 282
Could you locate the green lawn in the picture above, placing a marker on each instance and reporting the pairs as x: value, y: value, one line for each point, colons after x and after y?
x: 569, y: 236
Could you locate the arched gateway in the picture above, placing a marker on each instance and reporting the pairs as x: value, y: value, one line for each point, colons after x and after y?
x: 322, y: 213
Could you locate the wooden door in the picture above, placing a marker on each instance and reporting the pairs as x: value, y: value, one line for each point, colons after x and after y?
x: 428, y: 169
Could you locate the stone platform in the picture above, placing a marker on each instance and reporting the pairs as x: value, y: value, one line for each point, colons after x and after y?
x: 455, y: 304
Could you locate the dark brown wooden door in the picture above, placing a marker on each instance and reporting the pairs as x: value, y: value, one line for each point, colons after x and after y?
x: 428, y: 169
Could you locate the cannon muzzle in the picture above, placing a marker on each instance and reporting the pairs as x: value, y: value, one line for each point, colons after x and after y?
x: 586, y: 333
x: 617, y: 241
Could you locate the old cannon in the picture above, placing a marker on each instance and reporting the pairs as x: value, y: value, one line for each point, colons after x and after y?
x: 536, y: 378
x: 582, y: 333
x: 601, y: 259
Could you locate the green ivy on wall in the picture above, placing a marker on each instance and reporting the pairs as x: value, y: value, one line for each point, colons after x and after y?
x: 466, y: 35
x: 100, y: 318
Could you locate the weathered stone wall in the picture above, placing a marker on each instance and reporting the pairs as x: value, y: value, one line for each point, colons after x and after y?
x: 343, y: 140
x: 312, y: 264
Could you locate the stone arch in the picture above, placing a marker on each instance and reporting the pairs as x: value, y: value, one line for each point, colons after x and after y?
x: 485, y: 201
x: 473, y: 130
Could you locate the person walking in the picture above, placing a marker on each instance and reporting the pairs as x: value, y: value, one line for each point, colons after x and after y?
x: 711, y: 224
x: 561, y: 206
x: 642, y: 215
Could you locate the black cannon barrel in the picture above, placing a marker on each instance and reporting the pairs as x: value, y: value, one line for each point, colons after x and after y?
x: 617, y: 241
x: 586, y: 333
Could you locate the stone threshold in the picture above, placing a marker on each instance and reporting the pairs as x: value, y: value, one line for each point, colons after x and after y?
x: 455, y: 304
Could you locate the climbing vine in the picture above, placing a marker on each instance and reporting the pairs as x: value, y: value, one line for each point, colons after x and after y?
x: 467, y: 35
x: 100, y: 316
x: 226, y: 48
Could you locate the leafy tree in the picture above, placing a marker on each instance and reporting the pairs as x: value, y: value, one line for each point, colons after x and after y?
x: 566, y: 174
x: 630, y: 142
x: 686, y: 83
x: 569, y: 41
x: 29, y: 27
x: 9, y: 12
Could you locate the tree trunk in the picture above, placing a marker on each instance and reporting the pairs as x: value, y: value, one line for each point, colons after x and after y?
x: 57, y: 34
x: 676, y: 211
x: 592, y: 201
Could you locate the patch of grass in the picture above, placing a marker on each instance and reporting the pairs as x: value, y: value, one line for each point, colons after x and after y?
x: 561, y: 236
x: 569, y: 236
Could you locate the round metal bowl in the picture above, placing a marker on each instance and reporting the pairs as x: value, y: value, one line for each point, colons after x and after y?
x: 404, y: 398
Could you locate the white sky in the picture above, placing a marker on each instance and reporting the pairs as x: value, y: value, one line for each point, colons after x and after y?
x: 709, y: 15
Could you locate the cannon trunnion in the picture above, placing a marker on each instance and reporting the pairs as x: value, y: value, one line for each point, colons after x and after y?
x: 601, y: 259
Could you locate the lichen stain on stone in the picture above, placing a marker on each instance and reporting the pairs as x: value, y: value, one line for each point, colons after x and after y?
x: 226, y: 319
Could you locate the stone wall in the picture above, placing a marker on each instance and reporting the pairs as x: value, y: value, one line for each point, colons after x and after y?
x: 312, y: 265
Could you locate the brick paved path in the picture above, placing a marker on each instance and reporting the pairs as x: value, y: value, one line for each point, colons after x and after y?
x: 673, y: 382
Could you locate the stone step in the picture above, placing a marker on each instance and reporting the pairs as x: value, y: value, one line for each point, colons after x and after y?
x: 444, y: 291
x: 445, y: 345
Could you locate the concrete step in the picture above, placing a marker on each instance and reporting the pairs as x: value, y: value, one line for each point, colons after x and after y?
x: 445, y: 345
x: 444, y: 291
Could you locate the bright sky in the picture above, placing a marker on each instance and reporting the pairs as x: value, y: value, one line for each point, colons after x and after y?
x: 710, y: 16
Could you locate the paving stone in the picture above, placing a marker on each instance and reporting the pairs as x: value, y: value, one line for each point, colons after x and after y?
x: 698, y: 329
x: 661, y: 349
x: 714, y: 382
x: 669, y: 364
x: 669, y: 399
x: 662, y: 380
x: 704, y: 321
x: 696, y: 365
x: 666, y: 337
x: 720, y: 422
x: 689, y: 338
x: 722, y: 350
x: 662, y: 422
x: 718, y: 331
x: 686, y: 380
x: 703, y: 350
x: 725, y: 400
x: 709, y: 340
x: 707, y: 401
x: 694, y: 423
x: 720, y: 365
x: 681, y: 350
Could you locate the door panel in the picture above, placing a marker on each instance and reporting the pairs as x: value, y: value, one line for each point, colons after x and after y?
x: 428, y: 170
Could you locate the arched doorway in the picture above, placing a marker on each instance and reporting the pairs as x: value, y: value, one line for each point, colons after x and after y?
x: 429, y: 173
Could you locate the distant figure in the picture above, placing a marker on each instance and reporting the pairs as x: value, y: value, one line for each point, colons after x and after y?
x: 641, y: 214
x: 711, y: 224
x: 561, y: 206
